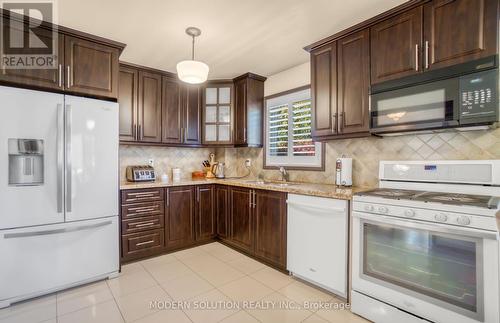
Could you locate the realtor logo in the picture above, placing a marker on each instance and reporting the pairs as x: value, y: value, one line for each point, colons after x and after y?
x: 26, y: 42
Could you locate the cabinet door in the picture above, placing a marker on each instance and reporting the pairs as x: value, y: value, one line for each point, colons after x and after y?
x: 457, y: 31
x: 324, y: 90
x: 396, y: 46
x: 270, y: 227
x: 222, y: 209
x: 92, y: 68
x: 179, y: 213
x: 192, y: 111
x: 353, y: 82
x: 241, y: 226
x: 205, y: 213
x: 38, y: 78
x: 127, y: 99
x: 171, y: 112
x: 240, y: 112
x: 149, y: 107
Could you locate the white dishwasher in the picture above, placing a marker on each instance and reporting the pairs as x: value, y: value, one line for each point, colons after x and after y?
x: 317, y: 241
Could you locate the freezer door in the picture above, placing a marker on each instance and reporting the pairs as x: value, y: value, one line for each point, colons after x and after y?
x: 92, y: 183
x: 31, y: 158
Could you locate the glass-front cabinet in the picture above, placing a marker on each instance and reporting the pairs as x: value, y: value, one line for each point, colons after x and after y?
x: 218, y: 114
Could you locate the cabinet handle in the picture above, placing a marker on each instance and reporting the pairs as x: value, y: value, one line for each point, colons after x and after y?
x: 198, y: 195
x: 144, y: 243
x: 245, y: 135
x: 250, y: 200
x: 185, y: 134
x: 341, y: 121
x: 60, y: 75
x: 334, y: 123
x: 144, y: 225
x: 426, y: 54
x: 139, y: 132
x: 168, y: 197
x: 416, y: 58
x: 182, y: 135
x: 68, y: 81
x: 143, y: 194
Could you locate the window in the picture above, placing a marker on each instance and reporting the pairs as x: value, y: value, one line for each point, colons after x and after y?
x: 288, y: 132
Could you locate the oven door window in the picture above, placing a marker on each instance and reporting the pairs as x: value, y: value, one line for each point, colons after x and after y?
x: 428, y: 264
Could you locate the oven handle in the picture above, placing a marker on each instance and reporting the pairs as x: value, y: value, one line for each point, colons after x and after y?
x: 436, y: 227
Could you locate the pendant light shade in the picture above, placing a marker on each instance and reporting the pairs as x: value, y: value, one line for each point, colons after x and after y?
x: 191, y: 71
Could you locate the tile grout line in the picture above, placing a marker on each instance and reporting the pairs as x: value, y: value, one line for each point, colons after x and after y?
x: 116, y: 303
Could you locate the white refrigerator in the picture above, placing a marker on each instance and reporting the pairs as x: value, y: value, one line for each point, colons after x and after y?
x: 59, y: 189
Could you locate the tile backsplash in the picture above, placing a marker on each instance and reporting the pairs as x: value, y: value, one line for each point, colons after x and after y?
x: 366, y: 153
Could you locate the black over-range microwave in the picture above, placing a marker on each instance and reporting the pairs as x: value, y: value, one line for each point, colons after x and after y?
x: 463, y: 95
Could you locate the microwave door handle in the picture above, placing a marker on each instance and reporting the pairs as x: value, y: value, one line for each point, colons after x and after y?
x: 68, y: 158
x: 60, y: 157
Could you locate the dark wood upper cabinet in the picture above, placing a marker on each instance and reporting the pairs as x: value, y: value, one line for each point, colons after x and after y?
x: 270, y: 227
x: 179, y: 216
x: 91, y: 68
x: 241, y: 219
x: 324, y: 91
x: 149, y: 129
x: 128, y: 100
x: 217, y: 113
x: 457, y: 31
x: 396, y: 46
x: 353, y: 83
x: 205, y: 221
x: 248, y: 110
x: 222, y: 208
x: 192, y: 112
x: 171, y: 111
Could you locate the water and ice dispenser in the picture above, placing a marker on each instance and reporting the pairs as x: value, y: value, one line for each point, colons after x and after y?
x: 25, y: 162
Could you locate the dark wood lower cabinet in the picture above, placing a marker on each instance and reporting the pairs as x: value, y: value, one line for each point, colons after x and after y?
x: 240, y: 218
x: 179, y: 217
x: 205, y: 221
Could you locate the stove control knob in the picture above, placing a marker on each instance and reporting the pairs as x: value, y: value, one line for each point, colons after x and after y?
x: 409, y: 213
x: 383, y: 209
x: 441, y: 217
x: 463, y: 220
x: 369, y: 208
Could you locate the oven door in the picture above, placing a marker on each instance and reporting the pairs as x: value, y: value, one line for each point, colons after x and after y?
x: 435, y: 271
x: 431, y: 105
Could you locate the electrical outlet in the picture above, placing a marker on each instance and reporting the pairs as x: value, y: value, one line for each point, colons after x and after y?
x: 151, y: 161
x: 248, y: 163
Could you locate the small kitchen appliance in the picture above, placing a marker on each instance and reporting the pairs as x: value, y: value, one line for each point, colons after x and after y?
x: 426, y: 245
x: 218, y: 170
x: 143, y: 173
x: 343, y: 171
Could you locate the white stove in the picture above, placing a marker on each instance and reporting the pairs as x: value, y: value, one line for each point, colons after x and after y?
x: 425, y: 243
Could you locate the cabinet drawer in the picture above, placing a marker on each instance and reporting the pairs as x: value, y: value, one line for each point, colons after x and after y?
x: 142, y: 209
x: 144, y: 244
x: 142, y: 224
x: 137, y: 196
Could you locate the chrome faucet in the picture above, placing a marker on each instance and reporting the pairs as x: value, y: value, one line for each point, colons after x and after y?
x: 284, y: 174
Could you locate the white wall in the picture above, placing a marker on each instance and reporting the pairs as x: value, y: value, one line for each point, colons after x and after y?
x: 291, y: 78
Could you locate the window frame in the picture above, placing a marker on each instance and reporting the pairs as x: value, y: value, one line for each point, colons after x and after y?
x: 266, y: 134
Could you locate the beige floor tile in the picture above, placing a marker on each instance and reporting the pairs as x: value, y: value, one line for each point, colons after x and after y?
x: 131, y: 283
x: 165, y: 272
x: 240, y: 317
x: 215, y: 312
x: 340, y: 316
x: 246, y: 265
x: 189, y: 253
x: 227, y: 254
x: 45, y: 306
x: 272, y: 278
x: 301, y: 293
x: 280, y: 309
x: 160, y: 260
x: 81, y: 297
x: 186, y: 287
x: 131, y: 268
x: 165, y: 316
x: 219, y: 274
x: 213, y: 247
x: 50, y: 321
x: 245, y: 289
x: 202, y: 261
x: 101, y: 313
x: 315, y: 319
x: 137, y: 305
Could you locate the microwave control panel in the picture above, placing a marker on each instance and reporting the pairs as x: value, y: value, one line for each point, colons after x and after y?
x: 479, y: 96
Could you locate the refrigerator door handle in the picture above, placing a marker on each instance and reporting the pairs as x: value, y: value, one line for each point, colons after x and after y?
x: 55, y: 231
x: 68, y: 158
x: 60, y: 157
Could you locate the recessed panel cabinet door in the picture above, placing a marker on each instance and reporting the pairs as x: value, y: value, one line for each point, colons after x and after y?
x: 91, y: 68
x: 241, y: 226
x: 127, y: 99
x: 353, y: 82
x: 222, y: 209
x: 324, y: 90
x: 270, y: 227
x: 149, y: 107
x: 192, y: 113
x: 460, y: 30
x: 396, y: 46
x: 205, y: 213
x: 240, y: 112
x: 171, y: 111
x: 179, y: 213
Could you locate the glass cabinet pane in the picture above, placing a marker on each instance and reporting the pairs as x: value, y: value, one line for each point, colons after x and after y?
x: 211, y: 95
x: 224, y: 114
x: 224, y: 95
x: 211, y: 113
x: 225, y: 132
x: 210, y: 132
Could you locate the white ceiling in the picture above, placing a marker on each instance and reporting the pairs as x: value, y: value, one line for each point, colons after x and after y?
x: 238, y: 36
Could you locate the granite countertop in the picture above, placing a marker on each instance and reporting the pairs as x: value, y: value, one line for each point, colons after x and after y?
x: 320, y: 190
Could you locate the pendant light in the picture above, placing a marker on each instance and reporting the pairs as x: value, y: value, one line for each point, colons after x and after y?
x: 191, y: 71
